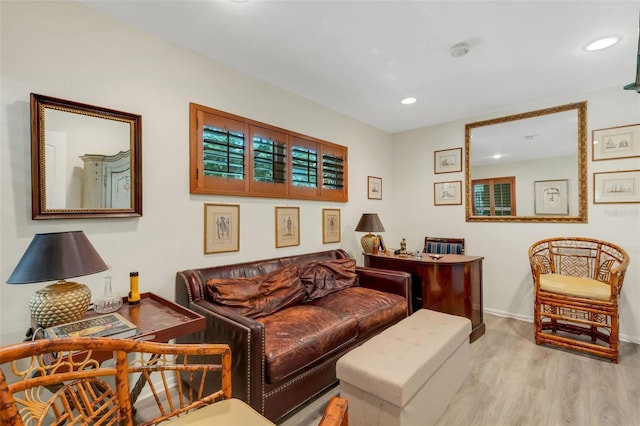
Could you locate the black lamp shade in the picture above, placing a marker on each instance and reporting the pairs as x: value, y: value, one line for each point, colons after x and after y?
x: 57, y: 256
x: 370, y: 222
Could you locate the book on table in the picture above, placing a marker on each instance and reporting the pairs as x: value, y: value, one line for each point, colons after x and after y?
x: 109, y: 325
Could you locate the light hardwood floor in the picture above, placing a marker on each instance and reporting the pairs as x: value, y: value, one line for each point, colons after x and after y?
x: 515, y: 382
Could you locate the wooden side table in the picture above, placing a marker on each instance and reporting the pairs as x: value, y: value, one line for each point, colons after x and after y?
x: 157, y: 320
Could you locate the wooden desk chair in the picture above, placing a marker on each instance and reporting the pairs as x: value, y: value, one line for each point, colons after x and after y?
x: 439, y: 245
x: 577, y: 284
x: 59, y: 381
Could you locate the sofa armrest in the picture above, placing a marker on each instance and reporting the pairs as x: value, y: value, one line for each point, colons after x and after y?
x: 396, y: 282
x: 244, y: 335
x: 245, y: 338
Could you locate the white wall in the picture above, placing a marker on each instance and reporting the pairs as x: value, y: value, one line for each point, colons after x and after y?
x: 508, y: 288
x: 65, y: 50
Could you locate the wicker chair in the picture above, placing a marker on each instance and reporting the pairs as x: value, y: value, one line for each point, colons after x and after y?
x: 64, y: 381
x: 439, y: 245
x: 577, y: 285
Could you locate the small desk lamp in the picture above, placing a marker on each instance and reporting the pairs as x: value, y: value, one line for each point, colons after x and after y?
x: 369, y: 222
x: 56, y: 256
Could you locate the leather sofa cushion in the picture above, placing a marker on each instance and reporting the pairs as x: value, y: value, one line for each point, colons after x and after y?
x: 299, y: 335
x: 371, y: 308
x: 260, y: 295
x: 326, y: 277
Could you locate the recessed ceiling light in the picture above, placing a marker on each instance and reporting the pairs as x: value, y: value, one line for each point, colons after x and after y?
x: 602, y: 43
x: 497, y: 156
x: 408, y: 101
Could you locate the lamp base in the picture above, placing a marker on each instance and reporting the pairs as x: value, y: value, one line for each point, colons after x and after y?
x: 369, y: 243
x: 60, y: 303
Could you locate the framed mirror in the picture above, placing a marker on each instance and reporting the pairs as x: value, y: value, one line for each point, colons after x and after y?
x: 86, y: 161
x: 528, y: 167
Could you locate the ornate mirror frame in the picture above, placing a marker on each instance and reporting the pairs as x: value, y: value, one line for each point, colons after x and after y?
x: 581, y: 217
x: 127, y: 175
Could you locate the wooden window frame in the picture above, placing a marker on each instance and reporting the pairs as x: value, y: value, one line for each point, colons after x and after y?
x: 511, y: 180
x: 200, y: 115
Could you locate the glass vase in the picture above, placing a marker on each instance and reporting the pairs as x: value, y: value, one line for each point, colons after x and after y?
x: 108, y: 302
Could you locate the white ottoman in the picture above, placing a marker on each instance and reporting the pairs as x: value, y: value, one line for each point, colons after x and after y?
x: 408, y: 374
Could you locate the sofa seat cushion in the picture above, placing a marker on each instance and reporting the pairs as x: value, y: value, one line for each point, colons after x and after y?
x: 300, y: 335
x: 371, y: 308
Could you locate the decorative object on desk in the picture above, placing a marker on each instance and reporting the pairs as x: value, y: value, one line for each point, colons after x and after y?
x: 221, y: 228
x: 57, y: 256
x: 447, y: 161
x: 374, y: 188
x: 616, y: 142
x: 108, y: 302
x: 551, y: 196
x: 447, y: 193
x: 369, y: 222
x: 134, y: 294
x: 616, y: 187
x: 403, y: 246
x: 331, y: 226
x: 287, y: 226
x: 435, y: 256
x: 111, y: 325
x: 382, y: 247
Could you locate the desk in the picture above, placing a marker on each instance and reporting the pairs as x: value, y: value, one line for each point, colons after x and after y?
x: 452, y: 284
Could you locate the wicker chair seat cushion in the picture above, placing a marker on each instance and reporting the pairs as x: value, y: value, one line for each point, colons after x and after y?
x: 575, y: 286
x: 225, y: 412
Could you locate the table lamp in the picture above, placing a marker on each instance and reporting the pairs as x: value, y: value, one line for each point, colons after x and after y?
x: 57, y: 256
x: 369, y: 222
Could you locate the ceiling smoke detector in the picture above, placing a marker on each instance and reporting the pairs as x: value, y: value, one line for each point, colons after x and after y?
x: 460, y: 49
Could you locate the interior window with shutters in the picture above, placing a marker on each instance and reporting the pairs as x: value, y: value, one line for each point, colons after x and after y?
x: 494, y: 197
x: 233, y: 155
x: 269, y: 160
x: 223, y: 153
x: 304, y: 167
x: 332, y: 171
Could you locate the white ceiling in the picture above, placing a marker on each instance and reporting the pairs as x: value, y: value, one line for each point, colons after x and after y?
x: 362, y: 57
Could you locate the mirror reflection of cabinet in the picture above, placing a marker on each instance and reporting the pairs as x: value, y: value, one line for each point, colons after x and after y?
x: 69, y: 138
x: 106, y: 181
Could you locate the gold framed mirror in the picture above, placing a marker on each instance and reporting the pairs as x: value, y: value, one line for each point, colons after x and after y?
x: 85, y: 160
x: 528, y: 167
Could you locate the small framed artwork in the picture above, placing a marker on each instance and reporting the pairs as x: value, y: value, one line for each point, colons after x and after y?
x: 287, y: 226
x: 374, y: 188
x: 221, y: 228
x: 447, y: 193
x: 616, y: 142
x: 447, y: 161
x: 616, y: 187
x: 551, y: 197
x: 330, y: 226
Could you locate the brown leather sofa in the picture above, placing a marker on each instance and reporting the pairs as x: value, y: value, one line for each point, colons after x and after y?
x: 285, y: 343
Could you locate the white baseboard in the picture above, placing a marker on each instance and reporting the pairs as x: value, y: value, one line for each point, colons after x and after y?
x: 527, y: 318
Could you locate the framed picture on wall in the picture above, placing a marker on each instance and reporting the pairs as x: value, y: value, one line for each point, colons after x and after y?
x: 447, y: 193
x: 551, y: 196
x: 616, y: 142
x: 330, y: 226
x: 287, y: 226
x: 616, y: 187
x: 221, y: 228
x: 374, y: 188
x: 447, y: 161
